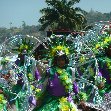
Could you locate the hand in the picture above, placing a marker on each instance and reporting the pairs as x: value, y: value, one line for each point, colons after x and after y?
x: 83, y: 104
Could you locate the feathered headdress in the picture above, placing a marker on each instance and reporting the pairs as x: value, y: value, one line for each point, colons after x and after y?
x: 104, y: 43
x: 59, y: 45
x: 24, y: 46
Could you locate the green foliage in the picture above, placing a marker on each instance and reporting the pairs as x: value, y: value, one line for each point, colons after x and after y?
x: 59, y: 16
x: 94, y: 16
x: 83, y: 96
x: 4, y: 32
x: 24, y: 30
x: 62, y: 15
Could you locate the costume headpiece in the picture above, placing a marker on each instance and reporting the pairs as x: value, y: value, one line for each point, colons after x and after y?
x: 24, y: 46
x: 102, y: 45
x: 59, y: 45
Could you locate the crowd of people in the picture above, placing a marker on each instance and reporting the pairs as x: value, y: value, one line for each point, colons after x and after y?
x: 58, y: 77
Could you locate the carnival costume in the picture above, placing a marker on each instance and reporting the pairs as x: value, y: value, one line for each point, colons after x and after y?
x: 17, y: 93
x: 57, y: 94
x: 55, y: 88
x: 103, y: 53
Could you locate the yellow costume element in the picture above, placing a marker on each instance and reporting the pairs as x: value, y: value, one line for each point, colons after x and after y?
x: 65, y: 105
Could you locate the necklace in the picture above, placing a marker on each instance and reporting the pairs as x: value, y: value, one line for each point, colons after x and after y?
x: 64, y: 78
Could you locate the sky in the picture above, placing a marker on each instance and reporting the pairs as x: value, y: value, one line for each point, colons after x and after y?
x: 17, y: 11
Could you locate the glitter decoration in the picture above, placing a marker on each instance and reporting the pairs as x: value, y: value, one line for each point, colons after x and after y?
x: 25, y: 81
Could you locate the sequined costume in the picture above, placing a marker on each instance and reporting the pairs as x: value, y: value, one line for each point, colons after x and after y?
x: 55, y: 90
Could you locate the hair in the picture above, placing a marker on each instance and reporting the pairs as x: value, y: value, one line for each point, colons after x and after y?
x: 54, y: 61
x: 40, y: 51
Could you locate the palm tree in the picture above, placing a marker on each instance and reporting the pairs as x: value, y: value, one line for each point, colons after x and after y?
x: 62, y: 14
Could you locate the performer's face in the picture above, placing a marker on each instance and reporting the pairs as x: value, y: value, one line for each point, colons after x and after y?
x: 60, y: 62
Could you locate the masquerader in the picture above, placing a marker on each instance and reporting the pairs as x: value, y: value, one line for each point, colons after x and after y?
x: 58, y: 88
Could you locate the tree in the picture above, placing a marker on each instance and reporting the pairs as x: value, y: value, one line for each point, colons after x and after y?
x: 62, y: 14
x: 4, y: 33
x: 10, y: 24
x: 23, y: 24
